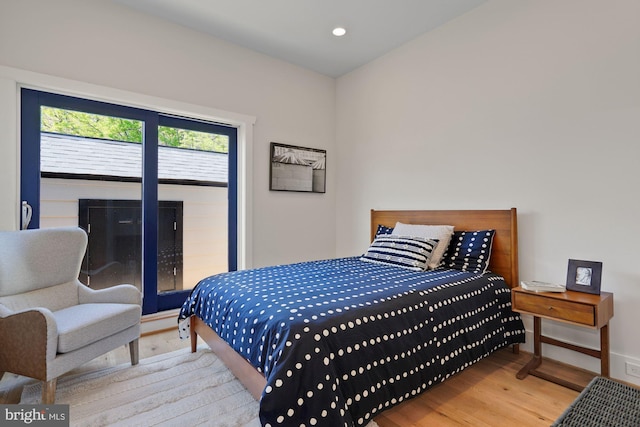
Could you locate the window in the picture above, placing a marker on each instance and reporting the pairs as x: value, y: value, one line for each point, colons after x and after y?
x: 79, y: 154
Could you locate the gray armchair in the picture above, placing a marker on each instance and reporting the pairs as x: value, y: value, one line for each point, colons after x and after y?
x: 50, y: 323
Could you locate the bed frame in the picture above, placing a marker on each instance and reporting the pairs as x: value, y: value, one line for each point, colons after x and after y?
x: 504, y: 261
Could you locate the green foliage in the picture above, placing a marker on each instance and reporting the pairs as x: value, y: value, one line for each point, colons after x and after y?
x: 174, y: 137
x: 90, y: 125
x: 77, y: 123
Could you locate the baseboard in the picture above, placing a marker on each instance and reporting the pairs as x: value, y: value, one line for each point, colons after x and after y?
x: 159, y: 322
x: 617, y: 362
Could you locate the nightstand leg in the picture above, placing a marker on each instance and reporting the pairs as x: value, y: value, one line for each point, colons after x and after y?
x: 536, y: 360
x: 537, y: 332
x: 604, y: 351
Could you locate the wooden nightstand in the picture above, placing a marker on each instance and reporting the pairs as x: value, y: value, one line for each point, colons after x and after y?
x: 576, y: 308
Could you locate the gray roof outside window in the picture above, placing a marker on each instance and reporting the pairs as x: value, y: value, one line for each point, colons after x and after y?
x: 86, y: 156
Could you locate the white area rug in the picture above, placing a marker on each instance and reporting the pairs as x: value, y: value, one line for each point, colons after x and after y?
x: 174, y: 389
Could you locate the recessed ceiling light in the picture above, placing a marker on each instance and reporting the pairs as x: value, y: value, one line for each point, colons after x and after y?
x: 339, y: 31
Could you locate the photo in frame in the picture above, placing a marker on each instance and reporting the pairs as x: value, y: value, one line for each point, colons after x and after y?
x: 584, y: 276
x: 296, y: 168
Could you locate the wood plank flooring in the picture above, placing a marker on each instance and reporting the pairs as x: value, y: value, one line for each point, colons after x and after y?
x: 487, y: 394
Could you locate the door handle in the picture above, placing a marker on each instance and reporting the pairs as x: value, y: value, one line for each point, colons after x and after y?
x: 27, y: 211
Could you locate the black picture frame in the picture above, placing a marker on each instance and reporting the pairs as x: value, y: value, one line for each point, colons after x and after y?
x: 299, y: 169
x: 584, y: 276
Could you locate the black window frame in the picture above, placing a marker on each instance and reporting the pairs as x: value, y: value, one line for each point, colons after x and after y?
x: 30, y: 127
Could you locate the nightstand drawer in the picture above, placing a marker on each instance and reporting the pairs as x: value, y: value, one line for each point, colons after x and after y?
x: 553, y: 308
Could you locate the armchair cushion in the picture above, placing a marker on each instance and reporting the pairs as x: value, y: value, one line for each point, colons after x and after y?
x: 84, y: 324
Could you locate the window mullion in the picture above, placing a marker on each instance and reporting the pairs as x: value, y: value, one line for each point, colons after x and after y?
x: 150, y: 213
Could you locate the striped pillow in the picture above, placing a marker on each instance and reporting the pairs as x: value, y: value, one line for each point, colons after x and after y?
x: 412, y: 253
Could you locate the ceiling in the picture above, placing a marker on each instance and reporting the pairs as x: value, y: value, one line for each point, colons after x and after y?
x: 299, y: 31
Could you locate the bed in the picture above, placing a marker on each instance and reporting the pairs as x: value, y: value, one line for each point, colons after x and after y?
x: 335, y: 342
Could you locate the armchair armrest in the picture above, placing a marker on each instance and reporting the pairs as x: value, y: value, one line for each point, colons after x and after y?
x: 120, y: 294
x: 29, y: 339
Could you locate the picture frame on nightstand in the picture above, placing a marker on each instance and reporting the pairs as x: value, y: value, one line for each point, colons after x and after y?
x: 584, y: 276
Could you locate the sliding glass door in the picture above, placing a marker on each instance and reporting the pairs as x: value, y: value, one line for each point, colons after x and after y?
x: 155, y: 193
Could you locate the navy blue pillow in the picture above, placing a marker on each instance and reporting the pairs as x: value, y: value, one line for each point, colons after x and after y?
x: 469, y: 251
x: 383, y: 230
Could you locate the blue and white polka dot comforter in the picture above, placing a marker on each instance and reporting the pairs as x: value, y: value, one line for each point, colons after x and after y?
x: 341, y: 340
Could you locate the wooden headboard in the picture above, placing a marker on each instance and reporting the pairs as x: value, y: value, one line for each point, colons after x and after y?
x: 504, y: 252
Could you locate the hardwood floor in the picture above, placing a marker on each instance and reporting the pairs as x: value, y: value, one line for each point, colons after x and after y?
x: 487, y: 394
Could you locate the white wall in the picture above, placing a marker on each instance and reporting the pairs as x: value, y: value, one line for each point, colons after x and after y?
x: 527, y: 104
x: 131, y: 56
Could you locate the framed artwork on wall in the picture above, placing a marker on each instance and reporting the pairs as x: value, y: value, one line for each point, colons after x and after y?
x: 296, y: 168
x: 584, y: 276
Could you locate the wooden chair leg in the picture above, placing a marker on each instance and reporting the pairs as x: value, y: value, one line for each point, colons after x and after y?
x: 134, y: 352
x: 49, y: 392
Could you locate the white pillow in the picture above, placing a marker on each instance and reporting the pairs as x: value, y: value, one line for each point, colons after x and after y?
x: 441, y: 232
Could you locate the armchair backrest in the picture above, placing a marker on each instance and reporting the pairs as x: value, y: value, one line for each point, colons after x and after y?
x: 33, y: 260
